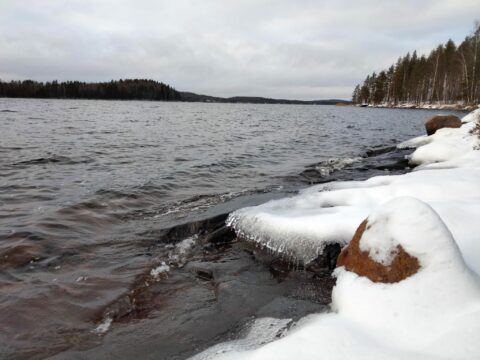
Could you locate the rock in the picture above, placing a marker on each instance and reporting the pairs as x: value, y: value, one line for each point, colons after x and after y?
x: 223, y: 235
x: 355, y: 260
x: 20, y: 255
x: 204, y: 274
x: 442, y: 121
x: 325, y: 263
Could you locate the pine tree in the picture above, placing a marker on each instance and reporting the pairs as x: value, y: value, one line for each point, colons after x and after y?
x: 448, y: 74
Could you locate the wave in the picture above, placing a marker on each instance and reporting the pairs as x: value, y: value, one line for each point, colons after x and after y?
x: 56, y: 159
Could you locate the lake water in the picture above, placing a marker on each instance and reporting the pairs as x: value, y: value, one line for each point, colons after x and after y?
x: 96, y: 194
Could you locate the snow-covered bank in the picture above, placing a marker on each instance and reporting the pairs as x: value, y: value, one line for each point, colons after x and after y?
x: 447, y: 179
x: 425, y: 106
x: 433, y: 313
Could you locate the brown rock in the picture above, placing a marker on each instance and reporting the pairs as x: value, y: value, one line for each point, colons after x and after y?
x: 355, y: 260
x: 19, y: 255
x: 442, y: 121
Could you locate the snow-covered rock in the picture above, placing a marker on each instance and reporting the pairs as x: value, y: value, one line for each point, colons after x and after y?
x: 446, y: 145
x: 386, y: 261
x: 441, y: 121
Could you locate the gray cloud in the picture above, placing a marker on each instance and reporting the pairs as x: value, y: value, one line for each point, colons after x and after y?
x: 290, y: 49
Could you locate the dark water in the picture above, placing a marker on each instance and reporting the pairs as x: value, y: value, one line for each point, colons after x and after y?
x: 96, y: 194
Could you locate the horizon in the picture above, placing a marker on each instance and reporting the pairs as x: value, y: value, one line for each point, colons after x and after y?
x: 253, y: 49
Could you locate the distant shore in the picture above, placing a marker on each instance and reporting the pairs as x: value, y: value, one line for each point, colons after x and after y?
x: 132, y: 89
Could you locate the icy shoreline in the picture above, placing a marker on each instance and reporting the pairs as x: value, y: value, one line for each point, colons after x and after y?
x: 423, y: 106
x: 301, y: 226
x: 431, y: 212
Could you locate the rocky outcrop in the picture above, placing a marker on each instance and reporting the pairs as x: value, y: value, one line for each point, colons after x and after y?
x: 442, y: 121
x: 355, y: 260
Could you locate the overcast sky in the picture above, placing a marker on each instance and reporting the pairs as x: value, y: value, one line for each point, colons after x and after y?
x: 274, y: 48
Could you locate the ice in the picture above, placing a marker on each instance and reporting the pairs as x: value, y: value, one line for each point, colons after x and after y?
x: 179, y: 253
x: 447, y: 179
x: 185, y: 245
x: 262, y: 331
x: 104, y: 326
x: 326, y: 167
x: 162, y: 269
x: 433, y: 314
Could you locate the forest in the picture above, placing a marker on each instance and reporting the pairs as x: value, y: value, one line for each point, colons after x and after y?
x: 449, y: 74
x: 130, y: 89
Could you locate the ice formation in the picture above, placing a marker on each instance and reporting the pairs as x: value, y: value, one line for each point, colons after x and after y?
x: 104, y: 326
x: 260, y: 332
x: 433, y: 314
x: 162, y: 269
x: 447, y: 179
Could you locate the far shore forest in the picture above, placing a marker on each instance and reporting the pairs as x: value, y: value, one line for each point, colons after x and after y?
x: 134, y: 89
x: 449, y: 74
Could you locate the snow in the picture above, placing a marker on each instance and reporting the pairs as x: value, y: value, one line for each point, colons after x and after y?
x: 433, y: 314
x: 416, y: 227
x: 424, y: 105
x: 445, y: 145
x: 301, y: 226
x: 474, y: 116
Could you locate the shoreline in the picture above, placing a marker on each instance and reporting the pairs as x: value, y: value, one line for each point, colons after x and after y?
x: 423, y: 106
x: 424, y: 216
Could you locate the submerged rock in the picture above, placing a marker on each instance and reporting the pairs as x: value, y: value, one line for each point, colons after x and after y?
x: 355, y: 260
x: 442, y: 121
x: 20, y: 255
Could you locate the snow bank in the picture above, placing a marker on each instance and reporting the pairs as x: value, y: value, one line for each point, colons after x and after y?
x: 445, y: 145
x: 447, y: 179
x: 433, y: 314
x: 424, y: 105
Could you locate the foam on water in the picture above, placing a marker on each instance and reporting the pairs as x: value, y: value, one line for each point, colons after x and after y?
x: 325, y: 168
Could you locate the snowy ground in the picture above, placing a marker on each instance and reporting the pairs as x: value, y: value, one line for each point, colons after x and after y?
x: 431, y: 212
x: 426, y: 105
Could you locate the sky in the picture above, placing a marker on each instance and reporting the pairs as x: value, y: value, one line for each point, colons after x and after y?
x: 301, y: 49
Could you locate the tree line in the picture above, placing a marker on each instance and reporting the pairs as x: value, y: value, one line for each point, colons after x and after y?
x: 129, y: 89
x: 449, y: 74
